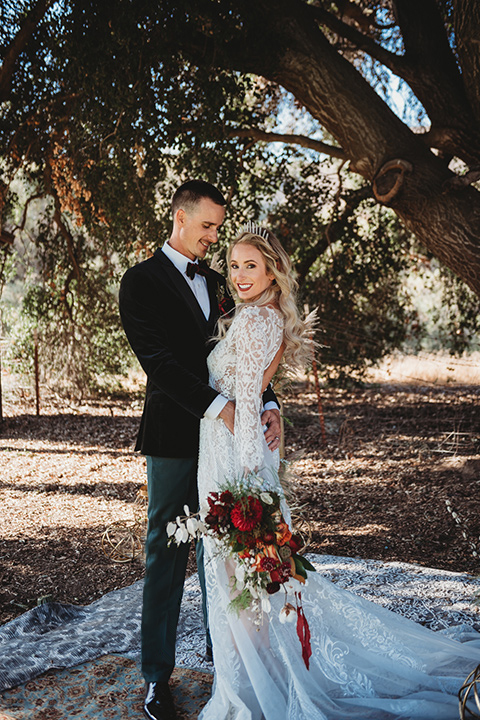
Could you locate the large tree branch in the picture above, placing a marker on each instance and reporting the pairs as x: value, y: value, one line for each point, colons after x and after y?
x: 17, y: 46
x: 288, y: 48
x: 393, y: 62
x: 429, y: 57
x: 306, y: 142
x: 429, y: 67
x: 434, y: 76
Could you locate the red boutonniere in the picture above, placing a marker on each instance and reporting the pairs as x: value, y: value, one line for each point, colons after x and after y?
x: 224, y: 302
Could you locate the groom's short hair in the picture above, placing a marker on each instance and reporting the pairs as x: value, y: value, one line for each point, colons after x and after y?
x: 191, y: 192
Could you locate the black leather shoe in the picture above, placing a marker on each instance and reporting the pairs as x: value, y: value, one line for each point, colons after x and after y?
x: 158, y: 703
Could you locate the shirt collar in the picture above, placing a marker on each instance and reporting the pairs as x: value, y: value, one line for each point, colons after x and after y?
x: 179, y: 260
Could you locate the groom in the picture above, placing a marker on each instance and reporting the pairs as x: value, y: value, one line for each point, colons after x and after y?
x: 169, y: 306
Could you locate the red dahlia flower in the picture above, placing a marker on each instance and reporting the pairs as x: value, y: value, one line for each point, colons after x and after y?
x: 212, y: 499
x: 285, y: 571
x: 211, y: 520
x: 226, y: 497
x: 246, y: 514
x: 219, y: 510
x: 268, y: 564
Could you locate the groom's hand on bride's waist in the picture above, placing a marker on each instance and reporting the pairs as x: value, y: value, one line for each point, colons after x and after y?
x: 228, y: 415
x: 270, y: 418
x: 273, y: 433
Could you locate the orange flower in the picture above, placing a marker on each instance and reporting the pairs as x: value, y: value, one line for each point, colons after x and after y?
x: 271, y: 552
x: 258, y: 560
x: 267, y: 551
x: 282, y: 533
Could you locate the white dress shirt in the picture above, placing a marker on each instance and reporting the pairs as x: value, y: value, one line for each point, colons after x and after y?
x: 198, y: 285
x: 199, y: 288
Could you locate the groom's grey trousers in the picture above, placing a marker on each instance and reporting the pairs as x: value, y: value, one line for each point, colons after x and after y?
x: 172, y: 483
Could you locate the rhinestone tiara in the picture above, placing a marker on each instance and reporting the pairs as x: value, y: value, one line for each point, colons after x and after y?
x: 255, y: 229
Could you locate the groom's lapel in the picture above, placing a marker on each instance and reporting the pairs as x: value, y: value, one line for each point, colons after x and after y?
x: 181, y: 287
x: 221, y: 302
x: 212, y: 287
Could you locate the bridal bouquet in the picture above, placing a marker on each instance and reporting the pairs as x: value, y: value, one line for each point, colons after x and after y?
x: 248, y: 526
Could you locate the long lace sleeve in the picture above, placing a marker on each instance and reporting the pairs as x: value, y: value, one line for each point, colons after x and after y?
x: 256, y: 338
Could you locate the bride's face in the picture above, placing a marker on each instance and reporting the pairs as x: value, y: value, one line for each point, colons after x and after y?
x: 248, y: 272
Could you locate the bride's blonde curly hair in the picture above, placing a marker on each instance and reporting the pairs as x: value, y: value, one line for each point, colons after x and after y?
x: 281, y: 293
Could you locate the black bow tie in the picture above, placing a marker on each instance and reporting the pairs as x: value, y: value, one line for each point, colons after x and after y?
x: 201, y: 268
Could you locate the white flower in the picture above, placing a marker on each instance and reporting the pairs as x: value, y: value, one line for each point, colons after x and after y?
x: 240, y: 577
x: 287, y: 613
x: 186, y: 510
x: 266, y: 605
x: 181, y: 535
x: 192, y: 526
x: 171, y: 529
x: 266, y: 498
x: 240, y: 573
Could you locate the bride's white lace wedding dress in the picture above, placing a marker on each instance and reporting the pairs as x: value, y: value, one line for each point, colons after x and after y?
x: 367, y: 662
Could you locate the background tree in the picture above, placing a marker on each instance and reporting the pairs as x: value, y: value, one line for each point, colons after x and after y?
x: 106, y: 109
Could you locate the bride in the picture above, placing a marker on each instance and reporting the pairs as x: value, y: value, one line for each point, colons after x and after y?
x: 366, y: 662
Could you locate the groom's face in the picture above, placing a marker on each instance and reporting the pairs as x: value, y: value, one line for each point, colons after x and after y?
x: 198, y: 228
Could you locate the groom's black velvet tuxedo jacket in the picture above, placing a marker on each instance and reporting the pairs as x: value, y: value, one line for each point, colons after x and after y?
x: 169, y: 335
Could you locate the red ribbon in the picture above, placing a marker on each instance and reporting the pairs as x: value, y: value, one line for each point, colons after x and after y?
x: 303, y: 631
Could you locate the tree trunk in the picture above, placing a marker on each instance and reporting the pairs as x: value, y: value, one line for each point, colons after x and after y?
x: 446, y: 221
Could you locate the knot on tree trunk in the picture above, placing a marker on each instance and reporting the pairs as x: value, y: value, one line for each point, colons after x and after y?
x: 389, y: 179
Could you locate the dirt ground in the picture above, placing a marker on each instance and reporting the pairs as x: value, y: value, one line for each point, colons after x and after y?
x: 377, y: 485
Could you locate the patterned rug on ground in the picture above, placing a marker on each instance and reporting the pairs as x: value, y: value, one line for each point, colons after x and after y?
x: 56, y: 636
x: 109, y: 688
